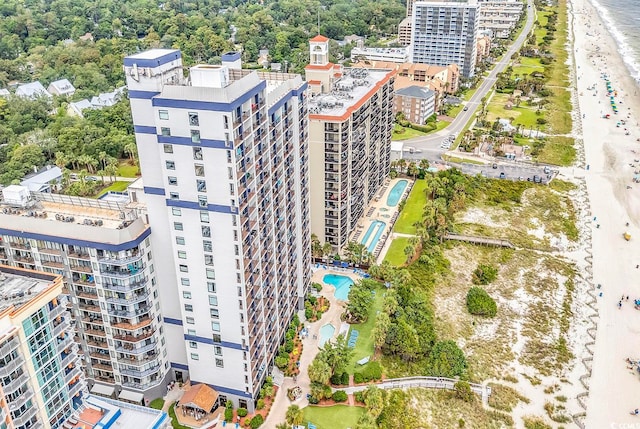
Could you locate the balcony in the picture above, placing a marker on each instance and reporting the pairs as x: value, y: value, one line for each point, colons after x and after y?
x: 141, y: 386
x: 146, y: 321
x: 14, y: 384
x: 24, y: 259
x: 79, y: 385
x: 129, y: 299
x: 82, y: 281
x: 81, y: 269
x: 129, y: 349
x: 50, y: 251
x: 136, y: 337
x: 138, y: 362
x: 79, y: 255
x: 88, y: 307
x: 25, y: 418
x: 102, y: 367
x: 73, y: 373
x: 98, y: 344
x: 87, y: 294
x: 20, y: 245
x: 95, y: 332
x: 121, y: 273
x: 140, y: 373
x: 11, y: 367
x: 128, y: 285
x: 118, y: 261
x: 139, y: 311
x: 58, y: 310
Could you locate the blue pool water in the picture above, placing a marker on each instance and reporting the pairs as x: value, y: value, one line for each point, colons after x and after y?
x: 373, y: 234
x: 341, y: 283
x: 396, y: 192
x: 326, y: 332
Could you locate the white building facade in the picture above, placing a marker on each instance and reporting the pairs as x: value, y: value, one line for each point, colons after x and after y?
x: 445, y: 33
x: 224, y: 159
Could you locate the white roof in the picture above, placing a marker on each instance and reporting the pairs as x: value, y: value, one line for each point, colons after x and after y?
x: 31, y: 90
x: 81, y: 105
x: 63, y: 86
x: 128, y: 395
x: 107, y: 99
x: 4, y: 92
x: 42, y: 177
x: 102, y: 389
x: 151, y: 54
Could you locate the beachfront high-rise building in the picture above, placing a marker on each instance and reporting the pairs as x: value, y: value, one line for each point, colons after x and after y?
x: 40, y: 376
x: 102, y: 251
x: 444, y: 32
x: 350, y: 125
x: 224, y: 157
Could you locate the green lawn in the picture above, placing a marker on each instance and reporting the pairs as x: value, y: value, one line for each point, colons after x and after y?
x: 174, y: 419
x: 558, y: 151
x: 469, y: 93
x: 402, y: 133
x: 539, y: 31
x: 395, y: 255
x: 335, y: 417
x: 115, y: 187
x: 440, y: 125
x: 527, y: 66
x: 364, y: 345
x: 413, y: 208
x: 523, y: 115
x: 453, y: 112
x: 458, y: 160
x: 127, y: 170
x: 157, y: 404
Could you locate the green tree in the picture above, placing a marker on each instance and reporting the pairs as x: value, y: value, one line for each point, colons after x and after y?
x: 484, y: 274
x: 366, y: 421
x: 294, y: 415
x: 480, y: 303
x: 359, y: 301
x: 381, y: 329
x: 463, y: 391
x: 319, y: 371
x: 374, y: 400
x: 447, y: 360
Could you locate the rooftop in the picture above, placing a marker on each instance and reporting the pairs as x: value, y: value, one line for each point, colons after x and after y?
x: 415, y: 91
x: 354, y: 85
x: 17, y: 287
x: 103, y: 413
x: 152, y: 54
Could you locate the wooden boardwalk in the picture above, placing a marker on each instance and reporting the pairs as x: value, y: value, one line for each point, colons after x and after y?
x: 485, y: 241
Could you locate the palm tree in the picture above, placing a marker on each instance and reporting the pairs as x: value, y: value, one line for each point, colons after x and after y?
x: 294, y: 415
x: 111, y: 170
x: 402, y: 164
x: 131, y: 149
x: 424, y: 164
x: 327, y: 249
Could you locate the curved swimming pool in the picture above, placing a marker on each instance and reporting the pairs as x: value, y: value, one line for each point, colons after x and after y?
x: 341, y: 283
x: 396, y: 192
x: 373, y: 234
x: 326, y: 332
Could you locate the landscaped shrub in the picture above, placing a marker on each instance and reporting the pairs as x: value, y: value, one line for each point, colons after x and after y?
x: 484, y: 274
x: 463, y: 391
x: 358, y: 378
x: 317, y: 286
x: 447, y: 360
x: 256, y: 421
x: 282, y: 361
x: 480, y: 303
x: 336, y: 379
x: 313, y: 400
x: 345, y: 378
x: 260, y: 404
x: 373, y: 371
x: 339, y: 396
x: 242, y: 412
x: 288, y: 346
x: 359, y: 396
x: 308, y: 313
x: 228, y: 411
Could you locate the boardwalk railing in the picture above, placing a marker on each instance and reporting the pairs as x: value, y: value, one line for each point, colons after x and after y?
x: 486, y: 241
x: 425, y: 382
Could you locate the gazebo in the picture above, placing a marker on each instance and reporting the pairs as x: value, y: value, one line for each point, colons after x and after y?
x: 199, y: 401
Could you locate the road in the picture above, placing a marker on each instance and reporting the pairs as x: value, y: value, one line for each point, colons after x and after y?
x: 429, y: 146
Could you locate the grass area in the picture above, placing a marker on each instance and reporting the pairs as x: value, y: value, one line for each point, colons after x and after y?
x: 440, y: 125
x: 157, y: 404
x: 364, y: 345
x: 395, y: 255
x: 522, y: 115
x: 412, y: 210
x: 115, y: 187
x: 455, y: 159
x: 402, y: 133
x: 174, y: 419
x: 558, y: 151
x: 335, y: 417
x: 558, y: 72
x: 453, y: 112
x: 539, y: 30
x: 469, y: 93
x: 527, y: 66
x: 504, y: 398
x: 127, y: 170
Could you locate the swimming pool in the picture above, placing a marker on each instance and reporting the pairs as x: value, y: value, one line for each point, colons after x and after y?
x: 373, y: 234
x: 396, y: 192
x: 326, y: 332
x: 341, y: 283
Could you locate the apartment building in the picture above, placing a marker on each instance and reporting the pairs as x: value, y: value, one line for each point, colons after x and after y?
x: 102, y: 252
x: 394, y: 55
x: 498, y: 18
x: 224, y: 158
x: 417, y: 103
x: 350, y: 124
x: 404, y: 31
x: 42, y: 383
x: 445, y: 33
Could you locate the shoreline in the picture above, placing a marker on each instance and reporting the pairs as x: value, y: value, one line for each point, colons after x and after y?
x: 609, y: 154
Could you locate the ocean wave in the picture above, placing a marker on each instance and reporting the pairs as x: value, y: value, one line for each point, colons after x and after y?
x: 626, y: 52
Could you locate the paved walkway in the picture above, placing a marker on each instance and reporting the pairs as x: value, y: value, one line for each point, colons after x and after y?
x: 310, y: 349
x: 173, y: 395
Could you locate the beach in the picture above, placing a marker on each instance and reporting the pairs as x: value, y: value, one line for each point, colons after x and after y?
x: 611, y: 157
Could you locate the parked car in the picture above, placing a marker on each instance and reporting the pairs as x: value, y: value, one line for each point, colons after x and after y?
x: 502, y: 175
x: 494, y: 166
x: 537, y: 179
x: 465, y: 108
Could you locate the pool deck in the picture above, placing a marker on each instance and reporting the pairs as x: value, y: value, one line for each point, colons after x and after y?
x: 310, y: 345
x: 378, y: 210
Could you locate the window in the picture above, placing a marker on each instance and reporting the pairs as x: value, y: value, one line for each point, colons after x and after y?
x: 188, y: 307
x: 213, y: 300
x: 199, y: 168
x: 207, y: 245
x: 211, y: 287
x: 202, y: 201
x: 178, y: 226
x: 180, y: 241
x: 186, y: 295
x: 184, y: 281
x: 163, y: 114
x: 168, y: 148
x: 194, y: 121
x: 184, y: 268
x: 226, y: 122
x: 206, y: 231
x: 195, y: 356
x: 204, y: 217
x: 174, y: 195
x: 202, y: 185
x: 197, y: 153
x: 173, y: 181
x: 219, y: 363
x: 182, y: 254
x: 193, y: 344
x: 176, y: 211
x: 217, y: 339
x: 215, y: 314
x: 208, y: 259
x: 190, y: 320
x: 217, y: 350
x: 170, y: 165
x: 191, y: 331
x: 195, y: 136
x: 215, y: 326
x: 231, y: 189
x: 165, y: 131
x: 211, y: 274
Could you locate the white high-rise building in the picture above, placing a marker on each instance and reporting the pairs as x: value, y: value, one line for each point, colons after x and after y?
x: 445, y: 32
x: 224, y: 157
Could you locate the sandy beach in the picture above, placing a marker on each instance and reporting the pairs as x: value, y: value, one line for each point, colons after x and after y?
x: 612, y: 155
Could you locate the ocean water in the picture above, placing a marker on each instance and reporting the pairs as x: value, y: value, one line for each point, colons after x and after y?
x: 622, y: 18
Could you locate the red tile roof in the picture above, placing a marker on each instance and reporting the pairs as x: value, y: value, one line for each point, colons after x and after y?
x: 319, y: 38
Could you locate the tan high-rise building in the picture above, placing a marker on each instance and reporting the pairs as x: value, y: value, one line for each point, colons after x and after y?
x: 350, y: 124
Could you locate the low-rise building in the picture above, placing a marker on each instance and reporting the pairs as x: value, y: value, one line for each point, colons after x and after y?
x: 417, y: 103
x: 499, y: 17
x: 449, y: 76
x: 32, y: 90
x: 77, y: 107
x: 484, y: 47
x: 43, y: 180
x: 393, y: 55
x: 61, y: 87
